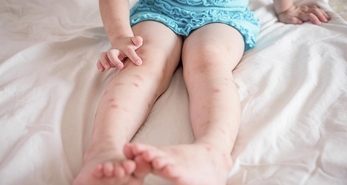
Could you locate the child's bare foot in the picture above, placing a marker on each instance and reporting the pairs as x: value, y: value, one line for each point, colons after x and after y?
x: 187, y: 164
x: 106, y: 167
x: 143, y: 168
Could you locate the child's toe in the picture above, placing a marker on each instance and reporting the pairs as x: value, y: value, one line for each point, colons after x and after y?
x: 98, y: 171
x: 108, y: 169
x: 128, y: 152
x: 161, y: 162
x: 129, y: 166
x: 170, y: 171
x: 142, y: 167
x: 119, y: 171
x: 149, y: 155
x: 140, y: 148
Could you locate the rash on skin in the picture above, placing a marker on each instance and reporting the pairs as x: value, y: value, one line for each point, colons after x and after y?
x: 114, y: 106
x: 136, y: 85
x: 111, y: 100
x: 216, y: 90
x: 139, y: 77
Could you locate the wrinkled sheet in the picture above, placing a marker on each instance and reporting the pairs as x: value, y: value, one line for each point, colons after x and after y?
x: 292, y: 85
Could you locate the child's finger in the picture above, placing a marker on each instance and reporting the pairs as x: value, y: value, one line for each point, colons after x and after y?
x: 319, y: 14
x: 99, y: 66
x: 112, y: 65
x: 311, y: 17
x: 326, y: 15
x: 130, y: 52
x: 122, y: 57
x: 137, y: 41
x: 113, y: 57
x: 104, y: 60
x: 313, y: 6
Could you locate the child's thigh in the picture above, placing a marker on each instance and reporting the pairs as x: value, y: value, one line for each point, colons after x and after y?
x: 161, y: 46
x: 211, y: 46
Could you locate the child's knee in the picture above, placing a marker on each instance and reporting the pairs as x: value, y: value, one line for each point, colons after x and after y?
x: 154, y: 66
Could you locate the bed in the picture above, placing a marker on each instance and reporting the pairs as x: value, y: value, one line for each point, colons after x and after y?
x: 292, y: 85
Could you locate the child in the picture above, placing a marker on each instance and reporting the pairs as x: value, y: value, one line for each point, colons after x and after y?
x: 210, y: 36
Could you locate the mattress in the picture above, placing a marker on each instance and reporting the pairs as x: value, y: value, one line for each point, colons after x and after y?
x: 292, y: 86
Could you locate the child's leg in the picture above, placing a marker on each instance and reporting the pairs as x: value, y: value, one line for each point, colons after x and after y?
x: 209, y: 55
x: 126, y: 104
x: 214, y: 102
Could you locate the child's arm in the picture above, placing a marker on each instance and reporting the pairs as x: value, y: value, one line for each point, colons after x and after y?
x: 115, y: 17
x: 288, y: 13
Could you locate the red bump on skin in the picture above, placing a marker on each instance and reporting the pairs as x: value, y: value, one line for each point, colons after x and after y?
x: 114, y: 106
x: 208, y: 148
x: 136, y: 85
x: 217, y: 90
x: 111, y: 100
x: 139, y: 77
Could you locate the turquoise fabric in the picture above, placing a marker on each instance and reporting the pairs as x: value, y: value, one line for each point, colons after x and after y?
x: 184, y: 16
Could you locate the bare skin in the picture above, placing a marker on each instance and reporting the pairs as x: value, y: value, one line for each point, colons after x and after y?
x: 209, y: 55
x: 114, y: 124
x: 215, y: 118
x: 215, y: 131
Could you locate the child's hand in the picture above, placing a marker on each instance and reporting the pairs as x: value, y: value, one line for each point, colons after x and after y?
x: 300, y: 14
x: 125, y: 48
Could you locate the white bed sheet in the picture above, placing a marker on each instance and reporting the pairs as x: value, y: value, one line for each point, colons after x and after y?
x: 293, y: 89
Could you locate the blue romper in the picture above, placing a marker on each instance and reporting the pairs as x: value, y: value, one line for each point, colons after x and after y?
x: 184, y: 16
